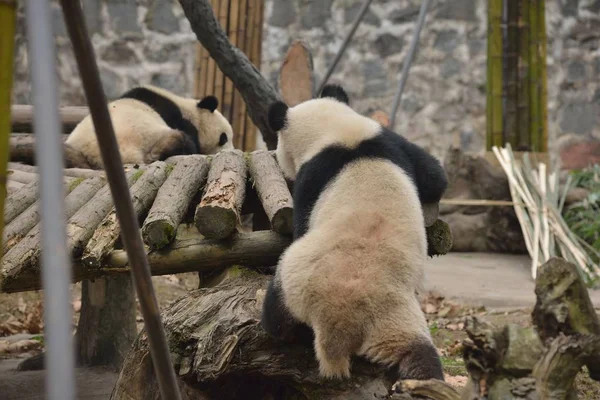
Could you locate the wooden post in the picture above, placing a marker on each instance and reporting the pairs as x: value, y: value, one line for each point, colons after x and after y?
x: 8, y: 14
x: 494, y: 75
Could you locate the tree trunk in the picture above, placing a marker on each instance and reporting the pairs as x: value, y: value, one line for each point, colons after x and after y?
x: 255, y: 90
x: 106, y: 326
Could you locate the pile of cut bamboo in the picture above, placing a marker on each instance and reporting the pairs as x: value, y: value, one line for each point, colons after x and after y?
x: 538, y: 203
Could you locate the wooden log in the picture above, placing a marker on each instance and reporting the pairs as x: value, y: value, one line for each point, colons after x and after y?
x: 563, y: 305
x: 245, y: 362
x: 254, y: 250
x: 21, y: 176
x: 173, y: 200
x: 143, y: 193
x: 18, y: 202
x: 254, y: 88
x: 429, y: 389
x: 22, y: 117
x: 296, y: 75
x: 272, y: 190
x: 13, y: 187
x: 72, y: 172
x: 219, y: 210
x: 22, y: 224
x: 22, y: 261
x: 22, y: 148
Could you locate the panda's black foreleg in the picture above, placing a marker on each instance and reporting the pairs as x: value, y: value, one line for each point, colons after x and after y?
x: 277, y: 320
x: 174, y: 143
x: 420, y: 361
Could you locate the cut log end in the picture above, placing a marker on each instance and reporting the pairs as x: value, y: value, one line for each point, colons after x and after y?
x: 282, y: 221
x: 215, y: 222
x: 158, y: 233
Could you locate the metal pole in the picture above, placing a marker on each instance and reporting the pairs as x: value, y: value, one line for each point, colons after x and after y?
x: 342, y: 49
x: 56, y: 263
x: 130, y: 230
x: 408, y: 61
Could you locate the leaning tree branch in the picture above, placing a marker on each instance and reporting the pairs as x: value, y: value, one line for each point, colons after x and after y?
x: 254, y: 88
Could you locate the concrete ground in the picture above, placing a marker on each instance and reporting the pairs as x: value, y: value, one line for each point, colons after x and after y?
x: 495, y: 281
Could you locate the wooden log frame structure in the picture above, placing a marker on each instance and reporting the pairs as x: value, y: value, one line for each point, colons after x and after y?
x: 170, y: 196
x: 504, y: 362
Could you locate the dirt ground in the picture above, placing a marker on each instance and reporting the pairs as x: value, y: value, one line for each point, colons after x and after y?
x: 21, y: 326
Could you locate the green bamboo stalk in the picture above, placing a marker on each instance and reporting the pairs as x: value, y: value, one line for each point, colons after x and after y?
x: 534, y: 73
x: 543, y: 143
x: 511, y: 73
x: 524, y: 140
x: 8, y: 13
x: 494, y: 73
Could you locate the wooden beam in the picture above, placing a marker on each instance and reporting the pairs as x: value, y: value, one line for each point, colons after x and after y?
x: 22, y: 118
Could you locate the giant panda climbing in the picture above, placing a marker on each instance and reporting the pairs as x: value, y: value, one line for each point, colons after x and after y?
x: 153, y: 124
x: 356, y: 265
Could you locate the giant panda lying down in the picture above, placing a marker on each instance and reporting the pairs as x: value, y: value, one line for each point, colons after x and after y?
x: 153, y: 124
x: 357, y: 261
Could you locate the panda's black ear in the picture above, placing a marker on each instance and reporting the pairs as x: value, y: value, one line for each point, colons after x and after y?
x: 278, y: 115
x: 209, y: 103
x: 336, y: 92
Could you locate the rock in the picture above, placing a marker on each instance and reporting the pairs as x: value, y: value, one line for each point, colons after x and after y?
x: 594, y: 7
x: 597, y: 64
x: 169, y: 81
x: 160, y: 53
x: 92, y: 12
x: 446, y: 41
x: 580, y: 155
x: 579, y: 118
x: 596, y: 98
x: 316, y: 14
x: 119, y: 53
x: 58, y: 22
x: 575, y: 195
x: 375, y: 78
x: 408, y: 14
x: 576, y: 71
x: 387, y: 45
x: 569, y: 8
x: 523, y: 351
x: 351, y: 13
x: 112, y: 83
x: 450, y: 67
x: 160, y: 17
x: 123, y: 16
x: 283, y: 13
x: 476, y: 46
x: 462, y: 10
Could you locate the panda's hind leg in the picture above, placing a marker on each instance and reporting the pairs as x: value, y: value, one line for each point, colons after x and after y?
x: 171, y: 143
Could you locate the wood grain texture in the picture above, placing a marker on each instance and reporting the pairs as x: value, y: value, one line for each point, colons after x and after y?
x: 296, y: 75
x: 22, y: 117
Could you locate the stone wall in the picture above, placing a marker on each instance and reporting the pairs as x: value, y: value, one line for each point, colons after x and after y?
x: 150, y: 41
x: 136, y: 41
x: 444, y: 100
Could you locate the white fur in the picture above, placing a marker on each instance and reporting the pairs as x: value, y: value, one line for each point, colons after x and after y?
x: 138, y: 128
x: 353, y: 276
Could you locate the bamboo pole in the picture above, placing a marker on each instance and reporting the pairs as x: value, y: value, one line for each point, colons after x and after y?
x: 232, y: 30
x: 249, y: 139
x: 8, y: 14
x: 543, y: 84
x: 209, y: 86
x: 242, y: 116
x: 534, y: 68
x: 222, y: 11
x: 511, y: 72
x: 524, y: 134
x: 494, y: 75
x: 239, y: 106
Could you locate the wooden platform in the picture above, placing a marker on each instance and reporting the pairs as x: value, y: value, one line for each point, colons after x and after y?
x: 190, y: 209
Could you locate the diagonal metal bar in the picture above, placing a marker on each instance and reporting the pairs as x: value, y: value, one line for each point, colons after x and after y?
x: 56, y: 263
x: 408, y: 62
x: 340, y: 53
x: 111, y: 158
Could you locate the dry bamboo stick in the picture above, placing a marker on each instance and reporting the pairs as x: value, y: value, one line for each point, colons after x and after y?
x: 218, y: 213
x: 273, y: 191
x: 28, y: 219
x: 143, y: 193
x: 173, y: 200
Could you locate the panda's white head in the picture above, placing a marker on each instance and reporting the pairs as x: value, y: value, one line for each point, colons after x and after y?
x: 214, y: 131
x: 309, y: 127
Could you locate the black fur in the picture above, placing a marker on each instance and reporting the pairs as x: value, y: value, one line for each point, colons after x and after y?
x: 209, y: 103
x: 420, y: 362
x: 336, y: 92
x: 313, y: 177
x: 169, y: 112
x: 279, y: 322
x: 278, y: 116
